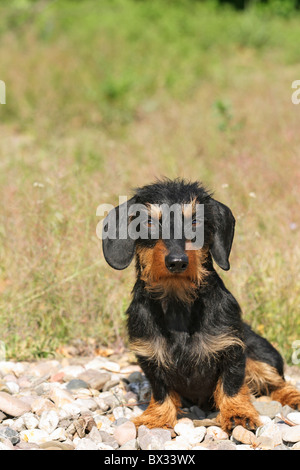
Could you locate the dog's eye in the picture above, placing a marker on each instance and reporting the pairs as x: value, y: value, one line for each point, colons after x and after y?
x: 150, y: 222
x: 197, y: 222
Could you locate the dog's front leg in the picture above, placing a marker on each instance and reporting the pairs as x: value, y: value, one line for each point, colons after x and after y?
x: 164, y: 404
x: 232, y: 396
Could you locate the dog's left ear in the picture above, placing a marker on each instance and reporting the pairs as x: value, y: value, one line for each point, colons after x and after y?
x: 118, y: 247
x: 224, y: 224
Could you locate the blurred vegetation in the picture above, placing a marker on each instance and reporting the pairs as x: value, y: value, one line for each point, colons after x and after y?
x: 106, y: 95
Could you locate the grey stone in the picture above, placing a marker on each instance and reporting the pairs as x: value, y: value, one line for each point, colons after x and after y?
x: 110, y: 384
x: 270, y: 408
x: 10, y: 434
x: 95, y: 435
x: 94, y: 378
x: 108, y: 439
x: 221, y: 445
x: 74, y: 384
x: 135, y: 377
x: 197, y: 412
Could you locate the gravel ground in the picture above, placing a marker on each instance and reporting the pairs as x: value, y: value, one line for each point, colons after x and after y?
x: 87, y: 403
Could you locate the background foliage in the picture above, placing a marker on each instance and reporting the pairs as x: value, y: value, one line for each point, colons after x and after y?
x: 106, y: 95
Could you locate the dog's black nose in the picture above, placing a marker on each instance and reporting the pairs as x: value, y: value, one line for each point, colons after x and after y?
x: 176, y: 263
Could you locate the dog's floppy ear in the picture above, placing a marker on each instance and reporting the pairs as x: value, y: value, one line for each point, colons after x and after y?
x: 224, y: 224
x: 118, y: 247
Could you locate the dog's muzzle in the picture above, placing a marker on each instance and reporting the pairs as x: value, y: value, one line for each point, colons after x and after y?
x: 176, y: 263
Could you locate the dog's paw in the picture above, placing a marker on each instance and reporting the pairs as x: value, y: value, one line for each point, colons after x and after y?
x: 249, y: 421
x: 151, y: 423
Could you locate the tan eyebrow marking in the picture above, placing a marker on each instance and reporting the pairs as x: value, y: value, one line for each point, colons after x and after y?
x: 154, y: 210
x: 189, y: 209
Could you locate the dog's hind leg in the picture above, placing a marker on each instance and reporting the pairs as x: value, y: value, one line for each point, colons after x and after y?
x: 264, y: 371
x: 263, y: 379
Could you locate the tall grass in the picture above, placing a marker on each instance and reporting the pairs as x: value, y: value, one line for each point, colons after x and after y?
x: 105, y: 96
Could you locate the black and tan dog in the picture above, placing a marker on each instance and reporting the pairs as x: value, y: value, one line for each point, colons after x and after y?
x: 184, y: 325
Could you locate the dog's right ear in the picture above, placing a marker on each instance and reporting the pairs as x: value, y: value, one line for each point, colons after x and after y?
x: 118, y: 247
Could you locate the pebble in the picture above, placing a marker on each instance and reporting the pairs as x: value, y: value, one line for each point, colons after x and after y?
x: 94, y: 378
x: 187, y: 433
x: 216, y: 433
x: 294, y: 417
x: 291, y: 434
x: 271, y: 431
x: 153, y: 439
x: 34, y: 435
x: 30, y: 420
x: 49, y: 421
x: 10, y: 434
x: 125, y: 432
x: 268, y: 408
x: 77, y: 383
x: 240, y: 434
x: 13, y: 406
x: 88, y: 404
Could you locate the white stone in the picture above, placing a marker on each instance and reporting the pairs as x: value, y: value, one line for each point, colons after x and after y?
x: 217, y: 433
x: 183, y: 441
x: 111, y: 366
x: 291, y: 434
x: 13, y: 387
x: 41, y: 404
x: 103, y: 423
x: 30, y: 421
x: 95, y: 363
x: 13, y: 406
x: 86, y: 404
x: 272, y: 431
x: 18, y: 424
x: 294, y: 417
x: 196, y: 435
x: 103, y: 446
x: 86, y: 444
x: 59, y: 434
x: 191, y: 436
x: 173, y: 445
x: 101, y: 363
x: 61, y: 397
x: 49, y: 421
x: 6, y: 367
x: 68, y: 410
x: 122, y: 412
x: 182, y: 427
x: 5, y: 446
x: 34, y: 435
x: 265, y: 419
x: 73, y: 371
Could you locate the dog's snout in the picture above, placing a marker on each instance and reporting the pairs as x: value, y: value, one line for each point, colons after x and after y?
x: 177, y: 263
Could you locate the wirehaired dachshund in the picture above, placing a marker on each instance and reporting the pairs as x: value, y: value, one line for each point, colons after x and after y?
x: 184, y: 325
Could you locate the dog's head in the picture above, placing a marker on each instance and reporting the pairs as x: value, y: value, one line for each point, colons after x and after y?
x: 173, y: 227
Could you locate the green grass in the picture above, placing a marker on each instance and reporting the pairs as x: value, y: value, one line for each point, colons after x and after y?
x: 105, y: 96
